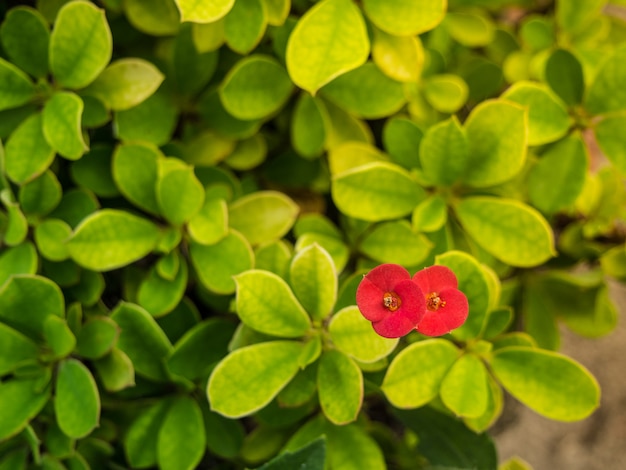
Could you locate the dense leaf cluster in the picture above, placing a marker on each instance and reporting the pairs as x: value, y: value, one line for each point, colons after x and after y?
x: 191, y: 192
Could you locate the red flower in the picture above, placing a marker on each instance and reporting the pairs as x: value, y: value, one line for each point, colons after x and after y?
x: 390, y: 300
x: 446, y: 306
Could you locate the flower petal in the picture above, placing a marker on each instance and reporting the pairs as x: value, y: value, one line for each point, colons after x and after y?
x: 447, y: 318
x: 394, y: 326
x: 413, y: 301
x: 435, y: 279
x: 369, y: 299
x: 386, y: 276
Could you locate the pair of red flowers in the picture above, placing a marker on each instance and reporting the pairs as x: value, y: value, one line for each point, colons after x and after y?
x: 396, y: 304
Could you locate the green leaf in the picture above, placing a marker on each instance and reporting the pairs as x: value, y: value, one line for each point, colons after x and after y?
x: 248, y: 154
x: 430, y: 215
x: 350, y: 447
x: 414, y: 376
x: 191, y: 69
x: 353, y: 335
x: 80, y: 44
x: 143, y: 341
x: 179, y: 193
x: 376, y: 191
x: 181, y: 442
x: 444, y: 152
x: 340, y: 387
x: 15, y: 349
x: 26, y: 301
x: 401, y: 58
x: 216, y: 264
x: 474, y: 283
x: 401, y: 139
x: 274, y: 256
x: 573, y: 19
x: 58, y: 336
x: 16, y: 228
x: 135, y: 171
x: 277, y: 11
x: 309, y: 457
x: 21, y: 259
x: 115, y: 370
x: 157, y: 18
x: 606, y: 93
x: 405, y: 17
x: 25, y: 37
x: 111, y: 238
x: 250, y: 377
x: 549, y: 383
x: 50, y: 237
x: 447, y: 442
x: 27, y: 153
x: 41, y: 195
x: 267, y: 304
x: 153, y: 120
x: 198, y: 11
x: 20, y: 401
x: 464, y: 389
x: 334, y: 246
x: 14, y: 460
x: 224, y: 436
x: 498, y: 322
x: 342, y: 127
x: 62, y: 125
x: 159, y: 296
x: 548, y: 120
x: 263, y: 216
x: 93, y: 171
x: 470, y: 29
x: 509, y: 230
x: 245, y: 25
x: 495, y: 404
x: 16, y: 88
x: 609, y: 133
x: 497, y: 134
x: 564, y: 74
x: 308, y: 133
x: 366, y: 92
x: 329, y: 39
x: 126, y: 83
x: 201, y: 348
x: 352, y: 154
x: 219, y: 120
x: 141, y: 439
x: 210, y: 224
x: 557, y: 180
x: 447, y: 93
x: 76, y: 204
x: 313, y: 279
x: 97, y: 337
x: 537, y: 33
x: 208, y: 37
x: 76, y: 402
x: 256, y: 87
x: 395, y: 242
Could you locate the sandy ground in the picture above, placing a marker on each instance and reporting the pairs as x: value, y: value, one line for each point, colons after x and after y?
x: 598, y: 442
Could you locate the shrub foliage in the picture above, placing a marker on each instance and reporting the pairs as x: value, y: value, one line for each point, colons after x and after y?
x: 191, y: 192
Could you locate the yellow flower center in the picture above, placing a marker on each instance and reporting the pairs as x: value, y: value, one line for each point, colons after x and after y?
x: 391, y: 301
x: 434, y: 302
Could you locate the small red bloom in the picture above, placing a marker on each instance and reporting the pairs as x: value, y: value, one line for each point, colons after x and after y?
x: 390, y: 300
x: 446, y: 306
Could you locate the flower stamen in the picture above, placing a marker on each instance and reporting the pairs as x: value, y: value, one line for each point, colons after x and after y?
x: 391, y: 301
x: 434, y: 302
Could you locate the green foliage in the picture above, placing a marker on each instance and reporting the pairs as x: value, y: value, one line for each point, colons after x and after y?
x: 191, y: 192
